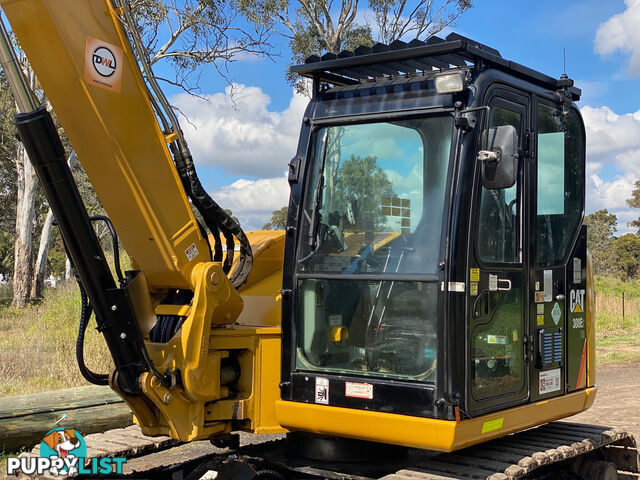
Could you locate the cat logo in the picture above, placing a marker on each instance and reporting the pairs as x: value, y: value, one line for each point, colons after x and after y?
x: 576, y: 301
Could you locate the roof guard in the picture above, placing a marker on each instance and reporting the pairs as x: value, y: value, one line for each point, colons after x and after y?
x: 364, y: 64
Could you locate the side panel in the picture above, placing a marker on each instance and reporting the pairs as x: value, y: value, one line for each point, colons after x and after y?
x: 577, y: 311
x: 428, y: 433
x: 113, y: 130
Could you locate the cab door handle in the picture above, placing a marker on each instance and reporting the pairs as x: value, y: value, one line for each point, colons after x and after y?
x: 506, y: 284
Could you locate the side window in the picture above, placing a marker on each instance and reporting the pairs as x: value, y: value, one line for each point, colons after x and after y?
x: 560, y: 196
x: 499, y: 216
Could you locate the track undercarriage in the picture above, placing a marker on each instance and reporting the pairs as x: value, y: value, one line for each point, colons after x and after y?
x: 558, y: 450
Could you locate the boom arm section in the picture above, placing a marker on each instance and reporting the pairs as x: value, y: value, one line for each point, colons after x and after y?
x: 112, y: 127
x: 187, y: 362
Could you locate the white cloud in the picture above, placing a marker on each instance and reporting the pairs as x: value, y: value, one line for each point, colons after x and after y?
x: 608, y: 132
x: 612, y: 142
x: 621, y: 32
x: 244, y: 138
x: 253, y: 201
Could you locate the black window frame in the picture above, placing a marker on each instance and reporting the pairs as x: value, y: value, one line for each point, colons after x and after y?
x: 538, y: 100
x: 506, y: 95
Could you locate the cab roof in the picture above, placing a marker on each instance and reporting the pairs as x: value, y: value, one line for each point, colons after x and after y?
x: 369, y: 64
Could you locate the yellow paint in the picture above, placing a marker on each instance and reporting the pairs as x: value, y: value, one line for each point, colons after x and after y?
x: 427, y: 433
x: 179, y: 310
x: 492, y: 425
x: 591, y: 324
x: 338, y: 333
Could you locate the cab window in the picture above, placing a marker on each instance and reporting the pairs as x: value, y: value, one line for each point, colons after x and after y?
x: 499, y: 216
x: 560, y: 179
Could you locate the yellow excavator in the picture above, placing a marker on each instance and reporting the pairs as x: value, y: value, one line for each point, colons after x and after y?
x: 432, y: 291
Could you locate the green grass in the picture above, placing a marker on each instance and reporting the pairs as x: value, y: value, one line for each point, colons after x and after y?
x: 617, y: 338
x: 3, y: 461
x: 37, y: 344
x: 610, y: 286
x: 611, y: 358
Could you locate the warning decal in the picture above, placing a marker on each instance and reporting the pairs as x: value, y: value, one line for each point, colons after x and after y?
x: 358, y: 390
x: 322, y: 390
x: 103, y: 65
x: 191, y: 252
x: 549, y: 381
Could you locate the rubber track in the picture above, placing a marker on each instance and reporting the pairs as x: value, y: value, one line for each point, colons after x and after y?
x: 518, y: 455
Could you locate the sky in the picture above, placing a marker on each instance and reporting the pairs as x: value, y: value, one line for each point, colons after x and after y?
x: 242, y: 145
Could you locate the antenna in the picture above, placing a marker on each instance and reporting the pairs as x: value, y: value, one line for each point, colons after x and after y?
x: 564, y: 60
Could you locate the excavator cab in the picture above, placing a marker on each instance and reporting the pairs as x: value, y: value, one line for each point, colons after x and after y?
x: 435, y: 262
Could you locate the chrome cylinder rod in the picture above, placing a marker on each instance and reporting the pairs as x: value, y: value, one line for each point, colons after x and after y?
x: 24, y: 96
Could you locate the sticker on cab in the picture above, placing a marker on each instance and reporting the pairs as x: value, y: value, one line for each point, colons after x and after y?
x: 549, y: 381
x: 556, y: 313
x: 103, y: 64
x: 322, y: 390
x: 474, y: 275
x: 358, y: 390
x: 576, y: 300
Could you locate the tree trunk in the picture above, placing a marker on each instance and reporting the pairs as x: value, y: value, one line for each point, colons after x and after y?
x: 23, y: 264
x: 40, y: 270
x: 25, y: 210
x: 68, y: 271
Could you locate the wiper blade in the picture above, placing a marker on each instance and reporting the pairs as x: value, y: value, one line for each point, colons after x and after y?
x: 317, y: 200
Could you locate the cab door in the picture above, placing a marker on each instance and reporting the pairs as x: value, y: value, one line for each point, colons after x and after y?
x: 497, y: 300
x: 558, y: 252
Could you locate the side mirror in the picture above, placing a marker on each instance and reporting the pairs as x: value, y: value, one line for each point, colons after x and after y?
x: 500, y: 158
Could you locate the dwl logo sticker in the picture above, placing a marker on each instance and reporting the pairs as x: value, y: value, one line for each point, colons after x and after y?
x: 103, y: 64
x: 63, y: 451
x: 104, y: 61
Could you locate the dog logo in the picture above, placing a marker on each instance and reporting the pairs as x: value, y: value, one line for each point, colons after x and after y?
x: 63, y: 452
x: 66, y: 444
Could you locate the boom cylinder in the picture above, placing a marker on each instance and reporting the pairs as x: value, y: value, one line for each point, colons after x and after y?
x: 25, y: 99
x: 39, y: 136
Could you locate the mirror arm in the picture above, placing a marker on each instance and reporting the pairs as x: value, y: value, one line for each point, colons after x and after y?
x: 486, y: 114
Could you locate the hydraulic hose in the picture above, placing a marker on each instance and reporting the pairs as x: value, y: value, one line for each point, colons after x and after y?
x: 85, y: 315
x: 216, y: 219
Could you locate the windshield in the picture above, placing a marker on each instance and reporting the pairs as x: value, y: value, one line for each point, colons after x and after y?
x: 373, y: 208
x: 375, y: 201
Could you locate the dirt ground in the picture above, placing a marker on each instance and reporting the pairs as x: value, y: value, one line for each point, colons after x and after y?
x: 618, y: 400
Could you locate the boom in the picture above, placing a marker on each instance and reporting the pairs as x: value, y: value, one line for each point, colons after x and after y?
x: 173, y: 325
